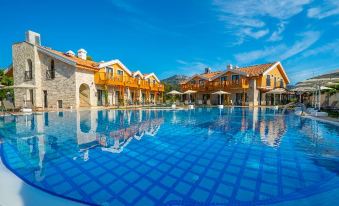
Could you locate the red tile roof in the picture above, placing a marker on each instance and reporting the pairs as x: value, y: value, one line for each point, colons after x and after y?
x: 210, y: 75
x: 256, y: 70
x: 80, y: 63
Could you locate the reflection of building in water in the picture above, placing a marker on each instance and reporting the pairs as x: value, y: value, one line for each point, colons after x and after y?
x: 113, y: 130
x: 272, y: 130
x: 319, y: 144
x: 29, y: 137
x: 117, y: 140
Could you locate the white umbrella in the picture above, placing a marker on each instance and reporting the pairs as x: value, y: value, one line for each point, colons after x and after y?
x: 220, y: 93
x: 303, y: 89
x: 277, y: 91
x: 174, y: 92
x: 324, y: 88
x: 189, y: 92
x: 21, y: 86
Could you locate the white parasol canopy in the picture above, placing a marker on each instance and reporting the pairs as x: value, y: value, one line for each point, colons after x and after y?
x: 277, y: 91
x: 220, y: 93
x: 21, y: 86
x: 324, y: 88
x: 190, y: 92
x: 303, y: 89
x: 174, y: 92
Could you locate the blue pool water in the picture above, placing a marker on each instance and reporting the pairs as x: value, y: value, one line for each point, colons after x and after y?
x: 189, y: 157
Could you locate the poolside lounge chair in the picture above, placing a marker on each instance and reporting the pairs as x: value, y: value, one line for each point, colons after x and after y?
x: 7, y: 105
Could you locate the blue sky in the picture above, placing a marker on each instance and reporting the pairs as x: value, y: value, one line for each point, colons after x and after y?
x: 183, y: 36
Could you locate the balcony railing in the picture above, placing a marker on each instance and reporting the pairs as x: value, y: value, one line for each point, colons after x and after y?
x: 50, y: 74
x: 109, y: 79
x: 217, y: 85
x: 28, y: 75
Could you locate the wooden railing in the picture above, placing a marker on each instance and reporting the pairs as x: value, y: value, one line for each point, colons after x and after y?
x: 216, y: 85
x: 104, y: 78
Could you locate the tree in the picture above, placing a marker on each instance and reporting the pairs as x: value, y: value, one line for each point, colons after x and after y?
x: 6, y: 81
x: 89, y: 58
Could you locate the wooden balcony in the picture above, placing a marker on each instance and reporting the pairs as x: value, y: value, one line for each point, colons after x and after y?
x: 107, y: 79
x: 144, y: 85
x: 157, y: 87
x: 132, y: 82
x: 195, y: 87
x: 217, y: 85
x: 102, y: 78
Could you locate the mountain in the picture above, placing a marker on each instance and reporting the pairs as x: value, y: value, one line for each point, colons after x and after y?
x: 175, y: 80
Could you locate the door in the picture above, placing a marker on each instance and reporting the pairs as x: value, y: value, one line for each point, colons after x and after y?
x: 45, y: 99
x: 117, y: 97
x: 100, y: 93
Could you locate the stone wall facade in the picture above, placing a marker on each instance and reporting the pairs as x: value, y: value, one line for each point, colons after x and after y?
x: 21, y: 53
x: 62, y: 87
x: 85, y: 77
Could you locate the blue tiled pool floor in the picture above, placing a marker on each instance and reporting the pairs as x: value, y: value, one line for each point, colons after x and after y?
x: 200, y: 157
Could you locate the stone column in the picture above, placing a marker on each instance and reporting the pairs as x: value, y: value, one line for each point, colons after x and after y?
x: 253, y: 93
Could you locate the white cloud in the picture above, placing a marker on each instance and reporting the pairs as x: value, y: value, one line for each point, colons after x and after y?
x: 281, y: 51
x: 244, y: 18
x: 277, y: 35
x: 327, y: 9
x: 308, y: 39
x: 255, y: 34
x: 331, y: 47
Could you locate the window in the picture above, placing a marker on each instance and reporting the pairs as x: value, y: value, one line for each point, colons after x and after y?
x: 235, y: 77
x: 201, y: 82
x: 50, y: 73
x: 193, y: 82
x: 224, y: 78
x: 281, y: 83
x: 120, y: 72
x: 275, y: 81
x: 59, y: 104
x: 109, y: 72
x: 29, y: 70
x: 268, y: 81
x: 153, y: 81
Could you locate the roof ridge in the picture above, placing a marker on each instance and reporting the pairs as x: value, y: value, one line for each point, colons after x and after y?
x: 257, y: 65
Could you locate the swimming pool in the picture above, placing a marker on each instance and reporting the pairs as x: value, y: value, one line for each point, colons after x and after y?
x: 164, y: 157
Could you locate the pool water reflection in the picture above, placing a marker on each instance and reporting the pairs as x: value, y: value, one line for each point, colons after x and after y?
x: 158, y: 157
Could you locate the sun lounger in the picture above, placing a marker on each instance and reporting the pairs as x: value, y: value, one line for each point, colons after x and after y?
x: 8, y: 106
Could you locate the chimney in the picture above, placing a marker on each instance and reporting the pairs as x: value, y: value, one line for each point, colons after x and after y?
x: 207, y: 70
x: 82, y: 54
x: 33, y: 38
x: 70, y: 53
x: 229, y: 67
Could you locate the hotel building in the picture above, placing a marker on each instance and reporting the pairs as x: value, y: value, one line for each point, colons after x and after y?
x: 68, y: 80
x: 248, y: 86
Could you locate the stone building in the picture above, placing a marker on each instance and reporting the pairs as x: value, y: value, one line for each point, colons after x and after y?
x: 69, y: 80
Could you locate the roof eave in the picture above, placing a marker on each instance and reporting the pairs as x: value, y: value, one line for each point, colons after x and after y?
x: 56, y: 56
